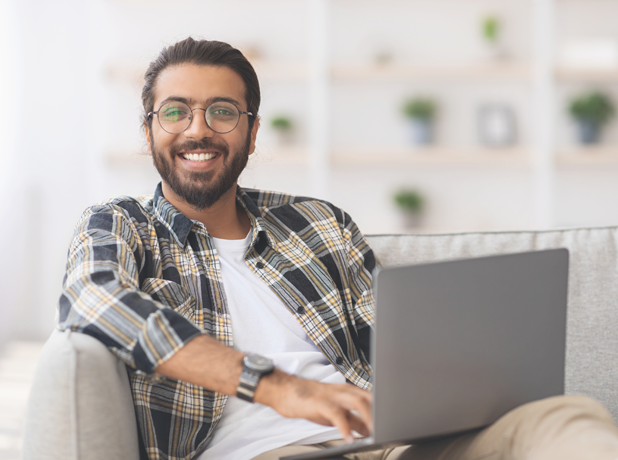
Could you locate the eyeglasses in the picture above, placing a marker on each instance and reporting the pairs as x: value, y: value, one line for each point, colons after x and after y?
x: 176, y: 117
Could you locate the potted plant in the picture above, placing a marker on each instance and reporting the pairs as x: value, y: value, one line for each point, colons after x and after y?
x: 284, y: 129
x: 421, y: 112
x: 410, y: 202
x: 591, y: 111
x: 490, y: 31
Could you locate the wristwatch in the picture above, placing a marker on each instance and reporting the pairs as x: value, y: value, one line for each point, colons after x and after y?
x: 254, y: 367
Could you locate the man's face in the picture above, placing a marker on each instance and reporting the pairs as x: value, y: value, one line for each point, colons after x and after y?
x: 199, y: 165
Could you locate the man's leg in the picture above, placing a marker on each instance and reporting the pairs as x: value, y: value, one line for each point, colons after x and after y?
x: 562, y: 427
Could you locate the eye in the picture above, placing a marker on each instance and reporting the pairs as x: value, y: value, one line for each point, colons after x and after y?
x: 174, y: 112
x: 222, y: 112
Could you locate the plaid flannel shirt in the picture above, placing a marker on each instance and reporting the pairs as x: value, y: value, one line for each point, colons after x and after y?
x: 144, y: 279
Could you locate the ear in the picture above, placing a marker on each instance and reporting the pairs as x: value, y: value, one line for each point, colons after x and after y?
x: 147, y: 131
x: 254, y: 131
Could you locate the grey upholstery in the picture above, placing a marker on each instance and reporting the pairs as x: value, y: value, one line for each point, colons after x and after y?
x: 80, y: 406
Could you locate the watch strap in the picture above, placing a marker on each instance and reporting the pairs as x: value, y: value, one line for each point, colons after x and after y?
x: 247, y: 384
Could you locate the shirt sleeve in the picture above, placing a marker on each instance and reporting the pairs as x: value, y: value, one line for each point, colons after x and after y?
x: 101, y: 294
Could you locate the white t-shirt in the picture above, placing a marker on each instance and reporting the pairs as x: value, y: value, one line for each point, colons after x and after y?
x: 263, y: 325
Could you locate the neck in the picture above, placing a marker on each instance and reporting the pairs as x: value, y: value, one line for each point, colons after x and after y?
x: 224, y: 219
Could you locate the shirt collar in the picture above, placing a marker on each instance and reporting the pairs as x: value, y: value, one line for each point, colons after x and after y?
x: 176, y: 222
x: 255, y: 216
x: 180, y: 225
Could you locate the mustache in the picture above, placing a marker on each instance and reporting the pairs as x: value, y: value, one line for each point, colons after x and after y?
x: 202, y: 144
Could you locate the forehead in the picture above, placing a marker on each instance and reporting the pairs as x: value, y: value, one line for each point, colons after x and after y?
x: 199, y: 83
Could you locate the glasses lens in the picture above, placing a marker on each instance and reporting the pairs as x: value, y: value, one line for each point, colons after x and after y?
x: 222, y: 117
x: 174, y: 117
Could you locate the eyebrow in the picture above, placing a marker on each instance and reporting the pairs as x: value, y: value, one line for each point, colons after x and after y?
x: 191, y: 102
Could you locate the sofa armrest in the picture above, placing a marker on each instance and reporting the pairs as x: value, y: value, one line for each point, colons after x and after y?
x: 80, y: 405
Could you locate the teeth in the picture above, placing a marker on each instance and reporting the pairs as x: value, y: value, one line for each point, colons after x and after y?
x: 199, y: 156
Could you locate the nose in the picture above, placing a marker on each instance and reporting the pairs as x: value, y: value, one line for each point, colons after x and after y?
x: 198, y: 129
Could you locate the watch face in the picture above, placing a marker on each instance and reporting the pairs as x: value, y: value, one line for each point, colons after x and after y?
x: 258, y: 363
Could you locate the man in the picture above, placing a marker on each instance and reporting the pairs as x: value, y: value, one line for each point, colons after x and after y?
x: 183, y: 285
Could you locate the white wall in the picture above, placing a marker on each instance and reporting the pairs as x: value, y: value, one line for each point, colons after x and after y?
x: 69, y: 64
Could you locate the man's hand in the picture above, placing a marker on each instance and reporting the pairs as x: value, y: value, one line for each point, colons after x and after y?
x: 343, y: 406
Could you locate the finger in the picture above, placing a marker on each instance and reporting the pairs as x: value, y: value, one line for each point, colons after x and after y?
x: 358, y: 425
x: 339, y: 419
x: 361, y: 404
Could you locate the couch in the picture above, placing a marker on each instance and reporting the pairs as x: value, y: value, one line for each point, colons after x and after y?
x: 80, y: 404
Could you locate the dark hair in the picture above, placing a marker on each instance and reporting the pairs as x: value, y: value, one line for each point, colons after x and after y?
x: 202, y: 52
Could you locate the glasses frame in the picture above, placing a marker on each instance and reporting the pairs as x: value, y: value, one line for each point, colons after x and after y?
x: 240, y: 112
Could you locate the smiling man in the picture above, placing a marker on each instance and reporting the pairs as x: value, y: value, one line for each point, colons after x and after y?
x: 184, y: 284
x: 218, y: 297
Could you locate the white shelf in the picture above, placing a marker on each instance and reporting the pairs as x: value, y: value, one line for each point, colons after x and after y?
x: 438, y: 156
x: 565, y: 74
x: 127, y: 157
x: 500, y: 70
x: 287, y: 71
x: 594, y: 156
x: 284, y: 155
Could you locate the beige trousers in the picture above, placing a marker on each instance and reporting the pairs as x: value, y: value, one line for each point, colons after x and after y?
x: 562, y: 427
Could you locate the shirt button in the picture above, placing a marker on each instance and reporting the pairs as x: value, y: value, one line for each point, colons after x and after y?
x: 301, y: 310
x: 259, y: 265
x: 339, y: 360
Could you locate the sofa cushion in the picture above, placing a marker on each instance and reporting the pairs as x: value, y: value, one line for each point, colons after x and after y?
x: 80, y: 405
x: 592, y: 316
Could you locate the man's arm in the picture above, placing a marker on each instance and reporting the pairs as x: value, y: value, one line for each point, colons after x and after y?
x: 102, y: 296
x: 210, y: 364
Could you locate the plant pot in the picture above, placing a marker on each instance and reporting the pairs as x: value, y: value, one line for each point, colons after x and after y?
x: 493, y: 51
x: 421, y: 131
x: 284, y: 138
x: 411, y: 219
x: 589, y: 132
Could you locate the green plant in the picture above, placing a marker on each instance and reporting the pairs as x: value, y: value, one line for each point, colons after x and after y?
x: 420, y: 108
x: 281, y: 123
x: 594, y: 107
x: 491, y: 28
x: 409, y: 200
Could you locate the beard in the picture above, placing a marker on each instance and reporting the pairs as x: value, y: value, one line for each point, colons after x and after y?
x: 201, y: 189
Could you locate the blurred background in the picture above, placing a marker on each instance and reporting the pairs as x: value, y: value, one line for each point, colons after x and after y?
x: 412, y: 115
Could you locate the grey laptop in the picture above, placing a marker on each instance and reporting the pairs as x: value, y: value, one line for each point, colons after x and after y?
x: 457, y: 344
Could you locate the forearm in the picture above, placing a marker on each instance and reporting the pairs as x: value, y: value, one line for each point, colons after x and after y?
x: 210, y: 364
x: 205, y: 362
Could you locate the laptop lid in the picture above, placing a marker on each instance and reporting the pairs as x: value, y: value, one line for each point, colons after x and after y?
x: 457, y: 344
